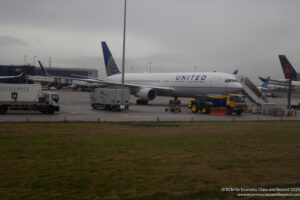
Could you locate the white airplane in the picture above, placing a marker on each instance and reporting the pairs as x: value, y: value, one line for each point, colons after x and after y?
x: 9, y: 77
x: 146, y: 86
x: 291, y: 80
x: 264, y: 85
x: 290, y: 74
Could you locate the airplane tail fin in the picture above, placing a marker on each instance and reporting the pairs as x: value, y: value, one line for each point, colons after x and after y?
x: 110, y: 64
x: 288, y: 70
x: 265, y: 83
x: 44, y: 71
x: 236, y: 72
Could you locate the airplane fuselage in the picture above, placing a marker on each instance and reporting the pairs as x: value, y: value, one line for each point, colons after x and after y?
x: 183, y: 84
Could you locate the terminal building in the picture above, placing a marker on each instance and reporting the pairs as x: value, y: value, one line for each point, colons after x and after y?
x: 29, y: 70
x: 69, y: 72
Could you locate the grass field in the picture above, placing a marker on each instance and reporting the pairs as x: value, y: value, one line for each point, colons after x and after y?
x: 146, y: 160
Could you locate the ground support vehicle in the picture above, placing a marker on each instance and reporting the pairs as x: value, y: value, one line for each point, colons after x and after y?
x: 174, y: 106
x: 110, y: 99
x: 27, y: 97
x: 231, y: 103
x: 200, y: 103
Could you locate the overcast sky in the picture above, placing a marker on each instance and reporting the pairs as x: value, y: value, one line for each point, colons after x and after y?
x: 174, y: 35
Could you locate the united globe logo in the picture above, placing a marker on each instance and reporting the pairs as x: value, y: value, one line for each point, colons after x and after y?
x: 112, y: 67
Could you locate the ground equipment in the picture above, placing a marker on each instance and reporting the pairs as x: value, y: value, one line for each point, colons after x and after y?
x: 232, y: 103
x: 110, y: 99
x: 27, y: 97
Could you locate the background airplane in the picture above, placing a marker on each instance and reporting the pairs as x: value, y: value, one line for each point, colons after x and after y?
x: 9, y: 77
x: 290, y: 75
x: 264, y: 85
x: 289, y: 72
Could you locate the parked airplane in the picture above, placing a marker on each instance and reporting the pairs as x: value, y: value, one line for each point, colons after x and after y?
x: 82, y: 82
x: 264, y: 85
x: 290, y: 75
x: 79, y: 77
x: 289, y: 72
x: 146, y: 86
x: 9, y: 77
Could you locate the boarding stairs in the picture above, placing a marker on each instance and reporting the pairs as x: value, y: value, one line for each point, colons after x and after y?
x: 254, y: 94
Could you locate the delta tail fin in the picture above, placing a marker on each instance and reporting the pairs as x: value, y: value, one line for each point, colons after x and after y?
x: 110, y: 64
x: 44, y: 71
x: 288, y: 70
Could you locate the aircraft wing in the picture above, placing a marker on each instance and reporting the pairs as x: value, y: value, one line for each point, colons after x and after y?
x: 275, y: 82
x: 9, y: 77
x: 132, y: 87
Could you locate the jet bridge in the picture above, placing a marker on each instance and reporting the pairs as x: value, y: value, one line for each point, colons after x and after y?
x: 254, y: 94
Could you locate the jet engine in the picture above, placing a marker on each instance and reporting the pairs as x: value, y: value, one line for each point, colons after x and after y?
x: 146, y: 94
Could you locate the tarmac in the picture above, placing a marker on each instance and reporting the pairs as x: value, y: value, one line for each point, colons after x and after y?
x: 75, y: 106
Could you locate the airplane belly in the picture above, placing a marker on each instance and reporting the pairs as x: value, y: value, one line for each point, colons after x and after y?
x: 192, y: 92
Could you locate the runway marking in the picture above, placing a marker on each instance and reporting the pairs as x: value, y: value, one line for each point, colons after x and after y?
x: 136, y: 116
x: 69, y: 113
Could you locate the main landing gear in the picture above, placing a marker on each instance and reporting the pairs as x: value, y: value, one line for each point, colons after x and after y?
x: 141, y: 102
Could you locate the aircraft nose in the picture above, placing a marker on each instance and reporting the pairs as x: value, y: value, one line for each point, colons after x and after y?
x: 238, y: 86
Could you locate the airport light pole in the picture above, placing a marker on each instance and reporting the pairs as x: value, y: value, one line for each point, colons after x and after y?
x: 34, y: 60
x: 150, y: 63
x: 123, y: 56
x: 50, y: 61
x: 25, y: 56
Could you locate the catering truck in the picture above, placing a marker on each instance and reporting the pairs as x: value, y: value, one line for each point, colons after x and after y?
x: 114, y: 99
x: 231, y: 103
x: 27, y: 97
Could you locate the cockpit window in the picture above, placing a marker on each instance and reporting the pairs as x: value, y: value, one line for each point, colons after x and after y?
x: 230, y: 80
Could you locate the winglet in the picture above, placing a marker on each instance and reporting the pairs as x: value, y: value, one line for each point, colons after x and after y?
x: 110, y: 64
x: 288, y: 70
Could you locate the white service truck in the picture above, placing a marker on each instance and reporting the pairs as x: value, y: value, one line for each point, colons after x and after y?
x: 27, y: 97
x: 110, y: 99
